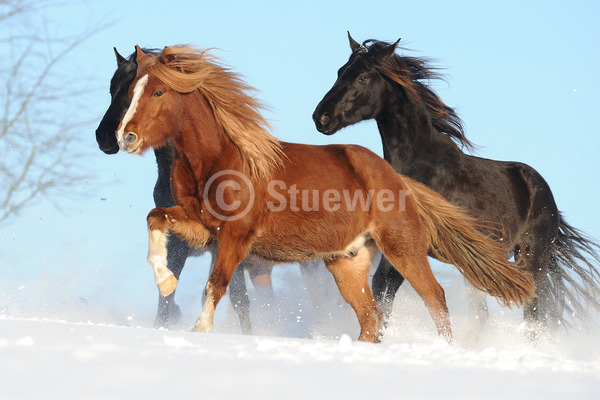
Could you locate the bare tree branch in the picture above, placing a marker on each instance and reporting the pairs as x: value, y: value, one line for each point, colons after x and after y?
x: 37, y: 124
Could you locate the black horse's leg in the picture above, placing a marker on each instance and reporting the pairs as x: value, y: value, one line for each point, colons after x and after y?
x: 478, y: 311
x: 313, y: 281
x: 536, y: 255
x: 238, y: 295
x: 386, y: 282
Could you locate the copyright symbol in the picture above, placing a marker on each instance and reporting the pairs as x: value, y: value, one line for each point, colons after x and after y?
x: 231, y: 181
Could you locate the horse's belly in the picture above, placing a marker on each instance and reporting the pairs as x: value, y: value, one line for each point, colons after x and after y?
x: 278, y: 253
x: 301, y: 250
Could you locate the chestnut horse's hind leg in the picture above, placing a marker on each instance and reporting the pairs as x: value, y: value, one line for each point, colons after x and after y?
x: 351, y: 276
x: 409, y: 255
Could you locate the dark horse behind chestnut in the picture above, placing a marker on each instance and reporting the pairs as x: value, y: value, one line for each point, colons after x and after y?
x: 420, y: 135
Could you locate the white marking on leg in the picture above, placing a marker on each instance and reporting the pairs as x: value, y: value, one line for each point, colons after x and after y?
x: 353, y: 248
x: 157, y: 258
x: 206, y: 319
x: 138, y: 90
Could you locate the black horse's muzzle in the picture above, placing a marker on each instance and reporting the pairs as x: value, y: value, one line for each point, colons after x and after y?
x: 323, y: 122
x: 107, y: 143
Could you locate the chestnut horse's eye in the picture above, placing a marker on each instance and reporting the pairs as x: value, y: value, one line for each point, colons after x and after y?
x: 158, y: 93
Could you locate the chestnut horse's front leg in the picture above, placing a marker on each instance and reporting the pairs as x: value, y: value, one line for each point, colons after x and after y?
x: 230, y: 252
x: 160, y: 221
x: 157, y: 258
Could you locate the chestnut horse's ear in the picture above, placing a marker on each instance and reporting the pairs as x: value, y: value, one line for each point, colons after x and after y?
x: 354, y: 45
x: 139, y: 54
x: 120, y: 58
x: 167, y: 55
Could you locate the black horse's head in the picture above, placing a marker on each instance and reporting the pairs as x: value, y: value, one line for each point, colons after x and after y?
x: 119, y: 86
x: 357, y: 93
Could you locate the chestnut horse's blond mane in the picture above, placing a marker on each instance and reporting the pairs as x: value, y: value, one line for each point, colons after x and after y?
x: 185, y: 69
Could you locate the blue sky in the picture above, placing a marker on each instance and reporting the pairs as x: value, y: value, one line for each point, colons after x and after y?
x: 522, y: 75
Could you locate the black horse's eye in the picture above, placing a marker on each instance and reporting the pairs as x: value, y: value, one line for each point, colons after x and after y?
x: 362, y: 78
x: 158, y: 93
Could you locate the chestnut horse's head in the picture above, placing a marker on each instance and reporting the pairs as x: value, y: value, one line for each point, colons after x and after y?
x: 151, y: 109
x: 185, y: 93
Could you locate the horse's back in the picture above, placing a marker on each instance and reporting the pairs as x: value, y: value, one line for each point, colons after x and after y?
x: 511, y: 192
x: 343, y: 162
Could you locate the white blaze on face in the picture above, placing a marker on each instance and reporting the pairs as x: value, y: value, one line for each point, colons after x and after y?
x: 138, y: 90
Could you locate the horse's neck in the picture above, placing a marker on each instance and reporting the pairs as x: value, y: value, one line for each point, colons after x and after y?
x: 413, y: 146
x: 203, y: 146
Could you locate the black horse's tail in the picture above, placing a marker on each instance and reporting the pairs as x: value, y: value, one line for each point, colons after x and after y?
x: 572, y: 289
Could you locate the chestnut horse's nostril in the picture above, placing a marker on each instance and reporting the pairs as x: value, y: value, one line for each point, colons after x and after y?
x: 130, y: 138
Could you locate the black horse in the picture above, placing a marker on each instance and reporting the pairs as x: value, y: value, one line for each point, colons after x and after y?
x: 177, y: 250
x: 420, y: 135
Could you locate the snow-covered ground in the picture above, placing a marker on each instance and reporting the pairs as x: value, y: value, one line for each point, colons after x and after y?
x: 58, y: 343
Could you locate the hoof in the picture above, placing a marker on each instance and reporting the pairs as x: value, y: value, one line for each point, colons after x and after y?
x: 368, y: 337
x: 202, y: 326
x: 167, y: 286
x: 168, y: 312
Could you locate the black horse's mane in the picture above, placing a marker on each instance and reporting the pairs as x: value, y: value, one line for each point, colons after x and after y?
x: 146, y: 51
x: 414, y: 74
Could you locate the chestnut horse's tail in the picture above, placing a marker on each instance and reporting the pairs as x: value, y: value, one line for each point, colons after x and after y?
x: 456, y: 238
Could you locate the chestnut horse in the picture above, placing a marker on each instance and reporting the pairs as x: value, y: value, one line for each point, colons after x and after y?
x: 288, y: 202
x: 420, y: 135
x: 259, y: 270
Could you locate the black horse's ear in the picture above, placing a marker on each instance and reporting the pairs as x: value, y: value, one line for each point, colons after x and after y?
x: 354, y: 45
x: 120, y: 58
x: 391, y: 49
